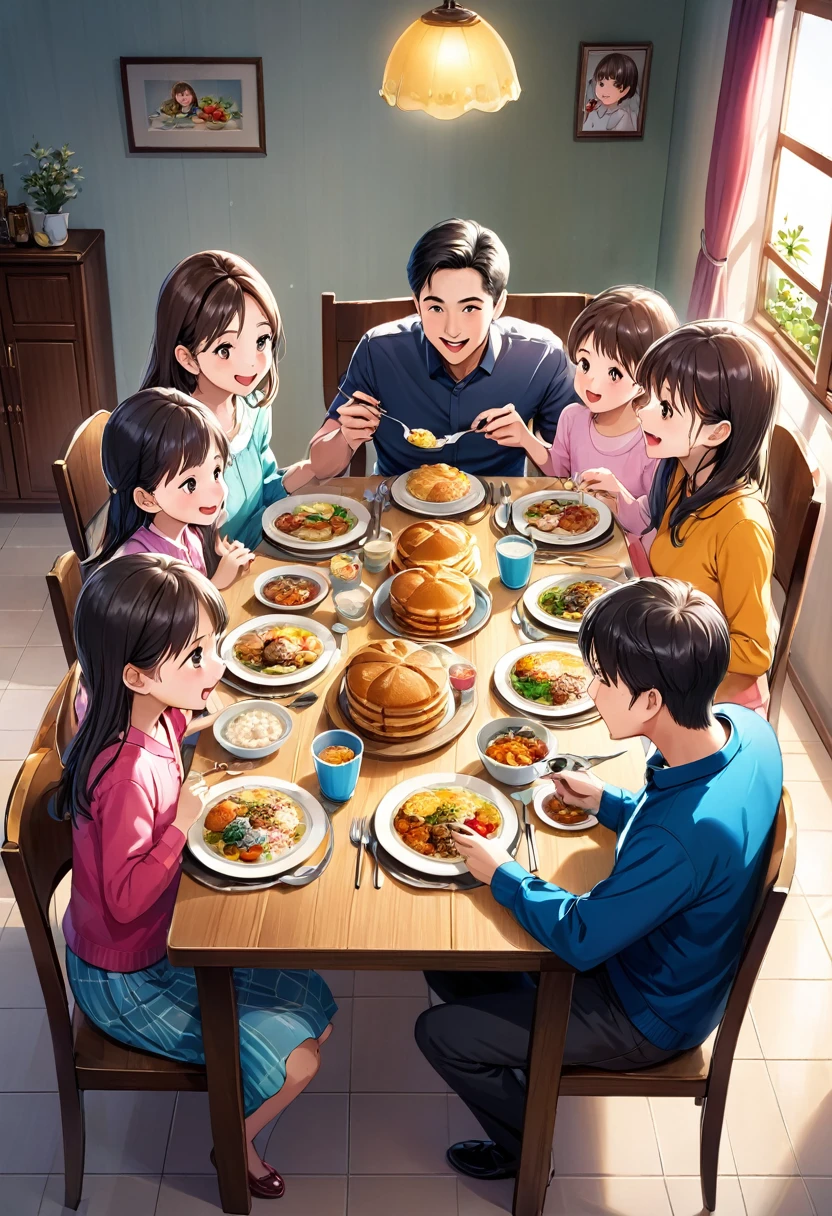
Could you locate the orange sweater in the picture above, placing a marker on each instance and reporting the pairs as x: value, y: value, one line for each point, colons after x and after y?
x: 727, y: 551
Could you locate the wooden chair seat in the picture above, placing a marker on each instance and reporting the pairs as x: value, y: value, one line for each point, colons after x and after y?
x: 103, y: 1063
x: 685, y: 1076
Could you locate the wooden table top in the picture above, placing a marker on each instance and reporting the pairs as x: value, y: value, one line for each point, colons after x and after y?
x: 329, y: 924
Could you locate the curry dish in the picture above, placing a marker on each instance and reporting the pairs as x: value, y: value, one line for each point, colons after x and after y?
x: 424, y: 820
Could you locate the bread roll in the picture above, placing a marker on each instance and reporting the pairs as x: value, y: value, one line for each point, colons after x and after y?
x: 438, y: 483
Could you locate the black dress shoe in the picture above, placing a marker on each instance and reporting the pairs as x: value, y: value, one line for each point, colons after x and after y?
x: 481, y: 1159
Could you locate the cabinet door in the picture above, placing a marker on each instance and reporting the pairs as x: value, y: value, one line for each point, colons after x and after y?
x: 8, y: 479
x: 48, y: 411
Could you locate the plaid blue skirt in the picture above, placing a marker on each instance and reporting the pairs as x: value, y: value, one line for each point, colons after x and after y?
x: 157, y: 1010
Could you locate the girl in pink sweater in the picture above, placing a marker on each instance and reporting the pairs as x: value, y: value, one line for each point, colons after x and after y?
x: 146, y: 631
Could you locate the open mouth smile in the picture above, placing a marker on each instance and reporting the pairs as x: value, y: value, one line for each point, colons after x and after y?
x: 244, y: 380
x: 592, y: 397
x: 455, y: 347
x: 208, y: 510
x: 651, y: 440
x: 206, y: 692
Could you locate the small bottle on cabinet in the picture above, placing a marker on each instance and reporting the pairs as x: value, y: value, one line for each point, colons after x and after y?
x: 5, y: 238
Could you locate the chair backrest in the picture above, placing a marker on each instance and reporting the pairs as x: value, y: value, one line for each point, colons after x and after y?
x: 773, y: 893
x: 64, y: 583
x: 66, y: 720
x: 795, y: 501
x: 82, y: 487
x: 344, y: 322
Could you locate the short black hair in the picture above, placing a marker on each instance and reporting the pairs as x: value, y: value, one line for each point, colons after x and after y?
x: 621, y: 70
x: 458, y: 245
x: 659, y: 633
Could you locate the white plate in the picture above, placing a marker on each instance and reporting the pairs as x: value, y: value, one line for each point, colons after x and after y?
x: 284, y: 505
x: 541, y: 794
x: 295, y: 677
x: 313, y: 814
x: 533, y: 593
x: 535, y: 708
x: 388, y: 837
x: 437, y: 510
x: 560, y: 538
x: 306, y: 571
x: 386, y: 618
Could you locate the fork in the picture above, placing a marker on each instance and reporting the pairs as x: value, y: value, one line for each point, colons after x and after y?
x: 440, y: 443
x: 378, y: 876
x: 357, y: 831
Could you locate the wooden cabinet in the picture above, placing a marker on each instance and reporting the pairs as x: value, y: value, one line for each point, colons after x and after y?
x: 56, y: 357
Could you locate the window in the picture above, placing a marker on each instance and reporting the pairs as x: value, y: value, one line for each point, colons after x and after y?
x: 793, y: 302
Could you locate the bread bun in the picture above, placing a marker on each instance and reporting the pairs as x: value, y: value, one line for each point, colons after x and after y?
x: 438, y: 483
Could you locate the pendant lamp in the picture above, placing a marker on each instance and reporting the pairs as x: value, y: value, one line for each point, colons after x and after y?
x: 450, y: 61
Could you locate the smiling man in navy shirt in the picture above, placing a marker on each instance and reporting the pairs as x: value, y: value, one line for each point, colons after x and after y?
x: 442, y: 367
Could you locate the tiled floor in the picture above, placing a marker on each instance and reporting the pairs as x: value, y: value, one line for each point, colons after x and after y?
x: 369, y: 1136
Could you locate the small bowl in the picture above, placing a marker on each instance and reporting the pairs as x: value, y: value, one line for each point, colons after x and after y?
x: 545, y: 791
x: 252, y: 753
x: 347, y: 618
x: 315, y: 576
x: 525, y: 774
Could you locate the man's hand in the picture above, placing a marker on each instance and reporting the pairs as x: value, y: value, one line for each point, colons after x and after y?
x: 578, y: 789
x: 482, y: 857
x: 359, y: 418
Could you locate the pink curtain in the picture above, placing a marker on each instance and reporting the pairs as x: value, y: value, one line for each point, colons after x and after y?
x: 746, y: 60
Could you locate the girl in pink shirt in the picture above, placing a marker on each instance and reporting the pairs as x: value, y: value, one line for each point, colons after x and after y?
x: 164, y: 456
x: 601, y: 438
x: 146, y: 631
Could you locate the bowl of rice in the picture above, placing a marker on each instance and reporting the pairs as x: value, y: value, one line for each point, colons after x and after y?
x: 252, y: 730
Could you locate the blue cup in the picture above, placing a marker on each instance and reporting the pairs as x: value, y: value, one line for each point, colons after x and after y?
x: 337, y: 781
x: 515, y: 560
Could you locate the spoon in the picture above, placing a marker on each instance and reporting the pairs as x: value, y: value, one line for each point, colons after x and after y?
x: 343, y: 631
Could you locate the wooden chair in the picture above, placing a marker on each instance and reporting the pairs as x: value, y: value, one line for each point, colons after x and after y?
x: 37, y: 854
x: 703, y: 1073
x: 64, y: 583
x: 794, y: 501
x: 82, y: 488
x: 344, y: 323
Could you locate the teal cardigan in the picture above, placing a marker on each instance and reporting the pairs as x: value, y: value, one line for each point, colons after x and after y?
x: 254, y: 481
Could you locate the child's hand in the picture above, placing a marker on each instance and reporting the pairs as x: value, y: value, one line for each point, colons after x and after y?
x: 579, y: 789
x: 191, y: 798
x: 234, y: 559
x: 359, y: 419
x: 600, y: 481
x: 507, y: 428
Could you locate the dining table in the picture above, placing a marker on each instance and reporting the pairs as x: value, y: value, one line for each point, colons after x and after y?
x: 329, y: 924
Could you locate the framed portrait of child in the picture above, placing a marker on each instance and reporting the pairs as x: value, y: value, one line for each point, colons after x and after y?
x: 612, y: 90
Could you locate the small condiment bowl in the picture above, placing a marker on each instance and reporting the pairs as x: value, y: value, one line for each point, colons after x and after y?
x: 252, y: 753
x: 344, y: 597
x: 541, y: 796
x: 508, y: 774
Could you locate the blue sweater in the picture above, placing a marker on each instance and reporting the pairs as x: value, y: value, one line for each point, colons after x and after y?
x: 254, y: 481
x: 670, y: 920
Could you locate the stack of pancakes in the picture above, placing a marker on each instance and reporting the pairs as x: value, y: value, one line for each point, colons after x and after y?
x: 432, y: 603
x: 396, y: 690
x: 434, y: 545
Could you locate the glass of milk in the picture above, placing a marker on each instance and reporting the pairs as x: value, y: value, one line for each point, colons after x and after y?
x: 515, y: 560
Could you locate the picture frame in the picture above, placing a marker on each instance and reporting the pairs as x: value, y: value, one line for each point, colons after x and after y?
x: 197, y: 105
x: 614, y: 104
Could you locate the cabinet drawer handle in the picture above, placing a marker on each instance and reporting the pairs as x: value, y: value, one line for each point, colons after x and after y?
x: 10, y: 353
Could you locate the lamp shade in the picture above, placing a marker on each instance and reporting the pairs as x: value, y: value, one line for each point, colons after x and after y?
x: 447, y: 62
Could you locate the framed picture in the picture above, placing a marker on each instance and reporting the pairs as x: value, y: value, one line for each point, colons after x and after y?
x: 612, y: 90
x: 194, y: 105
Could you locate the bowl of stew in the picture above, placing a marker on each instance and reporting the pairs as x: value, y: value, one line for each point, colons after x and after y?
x: 514, y: 750
x: 291, y: 588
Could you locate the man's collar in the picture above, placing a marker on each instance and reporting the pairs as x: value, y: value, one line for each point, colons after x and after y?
x: 666, y: 777
x: 435, y: 365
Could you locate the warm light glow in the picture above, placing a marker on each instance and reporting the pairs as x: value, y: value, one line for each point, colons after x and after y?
x: 448, y: 69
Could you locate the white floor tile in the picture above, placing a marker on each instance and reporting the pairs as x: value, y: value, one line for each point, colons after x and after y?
x: 127, y: 1133
x: 795, y: 722
x: 805, y: 762
x: 804, y: 1093
x: 793, y: 1018
x: 677, y: 1129
x: 22, y: 708
x: 8, y: 772
x: 10, y: 656
x: 190, y: 1141
x: 404, y: 1196
x: 796, y: 952
x: 795, y: 907
x: 52, y: 535
x: 26, y: 1060
x: 686, y: 1196
x: 40, y: 519
x: 484, y: 1198
x: 16, y: 628
x: 311, y: 1136
x: 391, y: 983
x: 814, y: 861
x: 385, y: 1058
x: 812, y: 803
x: 30, y: 1128
x: 622, y: 1196
x: 40, y: 667
x: 20, y: 1194
x: 759, y: 1141
x: 199, y: 1196
x: 341, y: 983
x: 612, y: 1136
x: 29, y: 562
x: 16, y: 744
x: 46, y: 631
x: 398, y: 1134
x: 19, y: 984
x: 25, y: 594
x: 820, y: 1191
x: 775, y: 1197
x: 334, y: 1074
x: 748, y: 1044
x: 104, y: 1195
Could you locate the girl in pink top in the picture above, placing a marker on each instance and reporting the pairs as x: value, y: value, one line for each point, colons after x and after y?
x: 601, y: 439
x: 146, y: 631
x: 164, y: 456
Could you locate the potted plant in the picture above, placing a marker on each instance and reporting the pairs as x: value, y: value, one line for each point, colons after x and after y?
x: 52, y: 183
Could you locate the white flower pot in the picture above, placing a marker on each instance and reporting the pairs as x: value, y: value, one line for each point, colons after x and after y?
x: 55, y: 226
x: 36, y: 218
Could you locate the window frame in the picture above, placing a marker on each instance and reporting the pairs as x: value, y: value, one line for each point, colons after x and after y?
x: 816, y: 377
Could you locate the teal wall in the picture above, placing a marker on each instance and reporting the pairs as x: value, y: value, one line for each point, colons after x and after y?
x: 348, y: 184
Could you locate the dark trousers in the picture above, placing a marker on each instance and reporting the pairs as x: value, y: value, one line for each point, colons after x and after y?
x: 478, y: 1041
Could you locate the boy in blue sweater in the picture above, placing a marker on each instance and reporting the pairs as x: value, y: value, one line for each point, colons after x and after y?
x: 656, y: 944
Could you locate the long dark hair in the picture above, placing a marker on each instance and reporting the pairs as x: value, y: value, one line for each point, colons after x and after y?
x: 139, y: 609
x: 202, y: 297
x: 147, y: 440
x: 721, y: 372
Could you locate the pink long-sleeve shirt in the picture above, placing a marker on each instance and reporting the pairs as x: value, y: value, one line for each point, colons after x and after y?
x: 148, y: 539
x: 127, y: 858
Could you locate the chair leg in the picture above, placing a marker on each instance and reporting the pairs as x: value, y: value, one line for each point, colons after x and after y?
x: 710, y: 1134
x: 72, y: 1125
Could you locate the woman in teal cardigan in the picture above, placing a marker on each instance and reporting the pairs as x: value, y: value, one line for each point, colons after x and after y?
x: 217, y: 336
